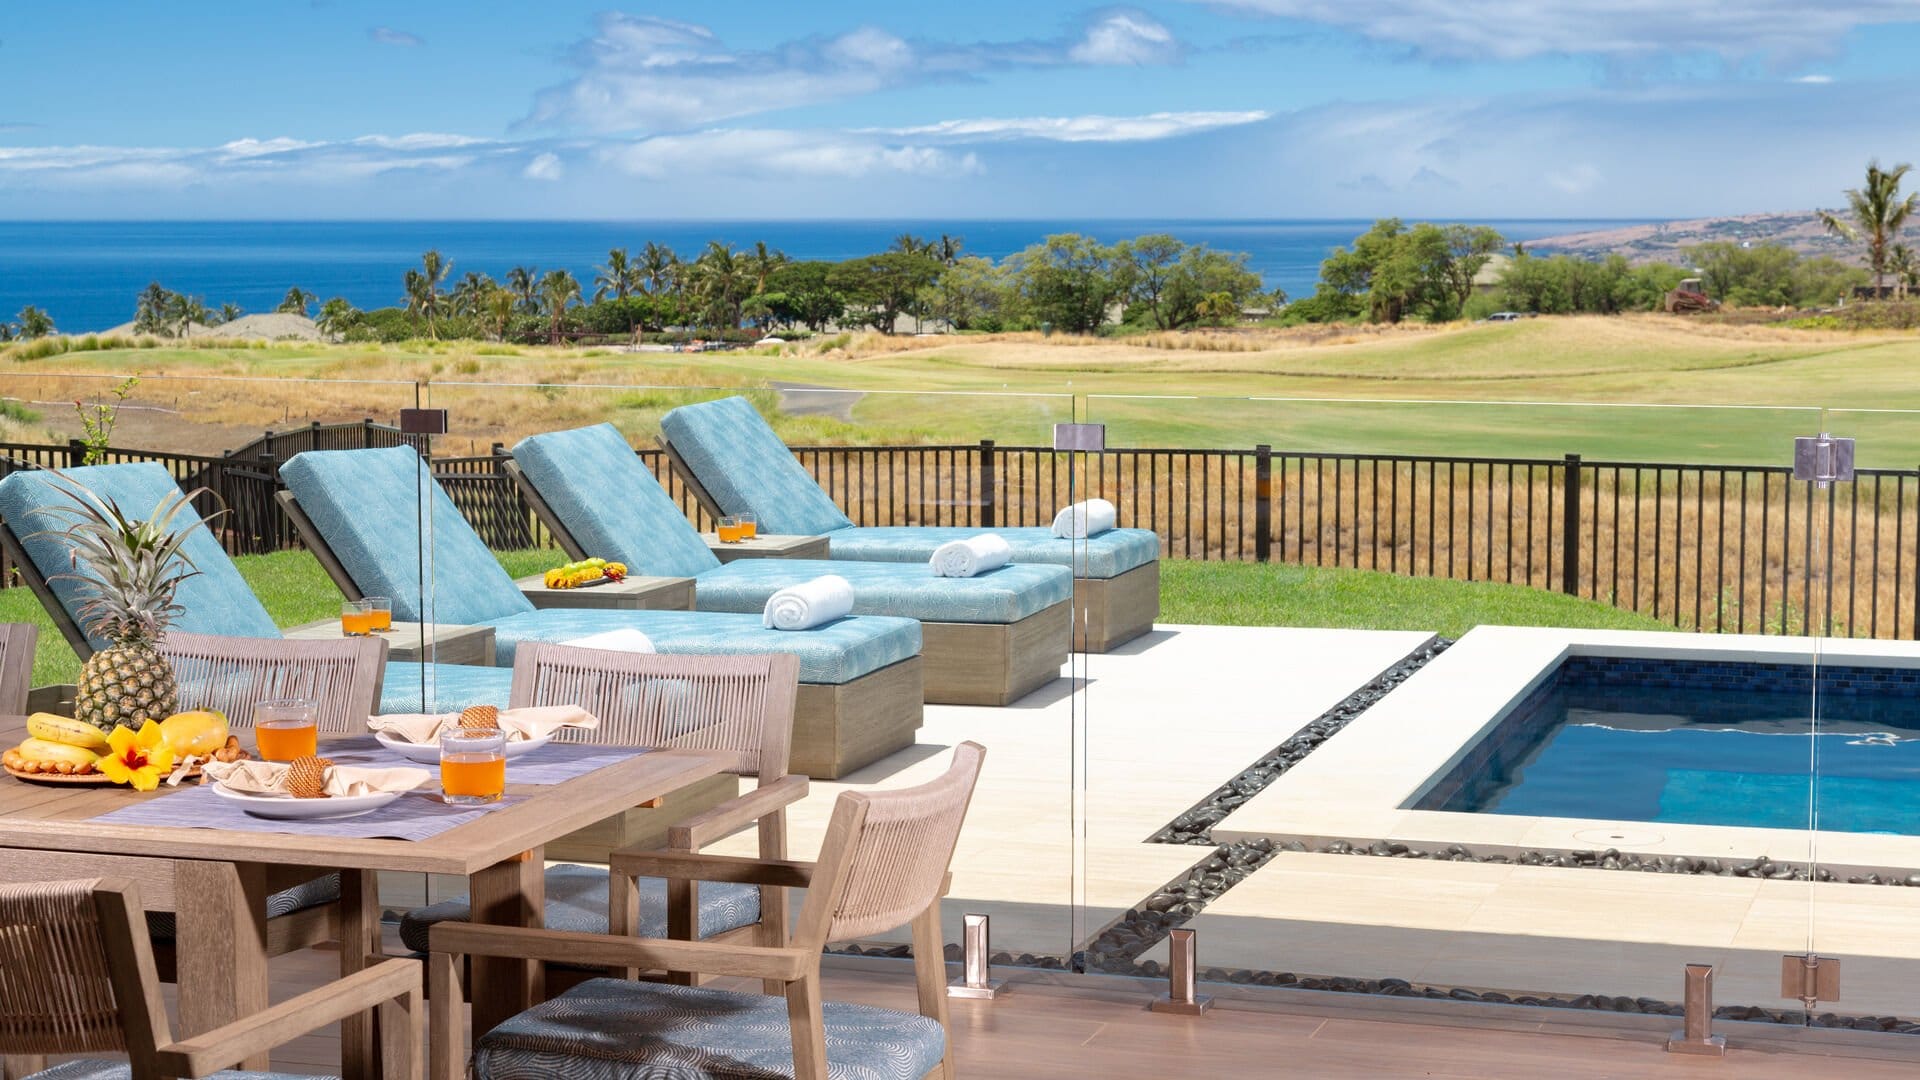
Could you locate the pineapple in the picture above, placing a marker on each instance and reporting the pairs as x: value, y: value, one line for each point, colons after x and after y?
x: 129, y: 570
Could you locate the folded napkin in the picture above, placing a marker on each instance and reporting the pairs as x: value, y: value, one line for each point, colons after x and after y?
x: 625, y: 640
x: 808, y: 604
x: 534, y: 722
x: 1090, y: 517
x: 270, y: 778
x: 974, y: 555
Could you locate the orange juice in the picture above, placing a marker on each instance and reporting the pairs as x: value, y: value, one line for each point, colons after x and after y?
x: 356, y: 623
x: 379, y: 621
x: 478, y: 776
x: 730, y: 534
x: 286, y: 742
x: 749, y: 530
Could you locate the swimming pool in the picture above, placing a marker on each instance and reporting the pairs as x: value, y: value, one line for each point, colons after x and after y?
x: 1701, y: 742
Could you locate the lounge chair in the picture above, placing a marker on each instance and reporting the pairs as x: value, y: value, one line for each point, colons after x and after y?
x: 860, y: 692
x: 734, y: 463
x: 216, y: 601
x: 16, y: 665
x: 986, y: 640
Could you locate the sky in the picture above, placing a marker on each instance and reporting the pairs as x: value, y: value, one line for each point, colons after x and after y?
x: 756, y: 109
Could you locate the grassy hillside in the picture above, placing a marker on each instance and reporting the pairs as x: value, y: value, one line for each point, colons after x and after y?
x: 1367, y: 388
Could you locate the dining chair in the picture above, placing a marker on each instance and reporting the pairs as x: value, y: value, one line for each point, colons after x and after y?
x: 883, y: 863
x: 77, y: 977
x: 16, y: 665
x: 741, y: 705
x: 232, y: 675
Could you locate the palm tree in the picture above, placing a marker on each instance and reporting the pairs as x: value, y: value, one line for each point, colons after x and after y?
x: 185, y: 311
x: 909, y: 244
x: 763, y: 263
x: 947, y: 248
x: 297, y: 301
x: 524, y: 283
x: 499, y: 304
x: 34, y: 323
x: 719, y: 280
x: 415, y: 297
x: 470, y: 295
x: 434, y: 269
x: 1904, y: 264
x: 150, y: 310
x: 230, y: 311
x: 619, y: 277
x: 1879, y: 212
x: 659, y: 266
x: 335, y: 314
x: 557, y: 290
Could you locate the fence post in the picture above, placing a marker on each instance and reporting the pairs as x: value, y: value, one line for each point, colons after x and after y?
x: 984, y: 484
x: 76, y: 453
x: 1570, y: 528
x: 366, y: 432
x: 1262, y: 503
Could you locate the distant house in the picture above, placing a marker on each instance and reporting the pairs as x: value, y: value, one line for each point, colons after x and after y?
x: 1488, y: 279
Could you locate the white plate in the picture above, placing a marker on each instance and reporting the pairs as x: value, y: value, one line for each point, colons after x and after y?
x: 429, y: 754
x: 288, y: 808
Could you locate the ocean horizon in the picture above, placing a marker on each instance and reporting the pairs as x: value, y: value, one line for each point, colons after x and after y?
x: 86, y: 274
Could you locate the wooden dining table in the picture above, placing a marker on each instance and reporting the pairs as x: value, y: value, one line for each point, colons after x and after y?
x: 216, y: 881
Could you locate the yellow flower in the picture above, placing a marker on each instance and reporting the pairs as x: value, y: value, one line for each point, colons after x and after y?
x: 138, y: 758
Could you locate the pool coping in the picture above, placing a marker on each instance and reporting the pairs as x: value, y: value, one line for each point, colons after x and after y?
x: 1356, y: 787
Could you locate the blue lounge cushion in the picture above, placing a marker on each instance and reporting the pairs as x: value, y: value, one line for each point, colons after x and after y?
x: 612, y: 1029
x: 611, y: 503
x: 838, y: 652
x: 747, y: 469
x: 412, y: 688
x: 217, y: 599
x: 1107, y: 555
x: 577, y: 901
x: 324, y: 889
x: 1006, y: 595
x: 366, y: 504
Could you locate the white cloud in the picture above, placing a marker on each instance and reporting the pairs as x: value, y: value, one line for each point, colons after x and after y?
x: 1776, y: 30
x: 281, y: 159
x: 777, y: 153
x: 544, y: 167
x: 387, y: 35
x: 642, y: 74
x: 1126, y: 38
x: 1814, y: 80
x: 1091, y: 128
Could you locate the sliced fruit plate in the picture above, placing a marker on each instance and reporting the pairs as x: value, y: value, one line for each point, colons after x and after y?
x: 429, y: 753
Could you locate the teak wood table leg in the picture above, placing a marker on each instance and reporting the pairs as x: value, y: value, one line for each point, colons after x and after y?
x: 510, y: 893
x: 359, y: 942
x: 221, y: 944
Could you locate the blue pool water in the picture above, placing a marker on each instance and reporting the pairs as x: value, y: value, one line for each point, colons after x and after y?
x: 1703, y: 743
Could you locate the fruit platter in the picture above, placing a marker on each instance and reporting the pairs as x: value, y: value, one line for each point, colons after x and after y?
x: 63, y: 750
x: 584, y: 574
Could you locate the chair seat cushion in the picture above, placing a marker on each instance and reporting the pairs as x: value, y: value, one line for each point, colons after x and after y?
x: 1108, y: 555
x: 307, y: 894
x: 98, y: 1069
x: 836, y: 653
x: 1006, y: 595
x: 448, y: 687
x: 577, y: 901
x: 609, y: 1029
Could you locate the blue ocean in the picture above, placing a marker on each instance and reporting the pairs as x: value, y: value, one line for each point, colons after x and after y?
x: 86, y: 274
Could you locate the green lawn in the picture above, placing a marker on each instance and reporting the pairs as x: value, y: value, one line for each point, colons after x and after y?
x: 295, y: 590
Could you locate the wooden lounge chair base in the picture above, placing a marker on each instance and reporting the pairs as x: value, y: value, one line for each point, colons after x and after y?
x: 994, y: 663
x: 839, y: 728
x: 1109, y: 612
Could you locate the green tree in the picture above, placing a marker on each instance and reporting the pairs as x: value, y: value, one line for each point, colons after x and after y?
x: 230, y: 311
x: 885, y: 286
x: 719, y: 281
x: 1878, y: 212
x: 801, y: 293
x: 499, y: 304
x: 335, y: 316
x: 184, y: 312
x: 973, y: 293
x: 619, y: 276
x: 1469, y: 249
x: 1069, y: 282
x: 524, y: 283
x: 1904, y: 264
x: 150, y: 311
x: 296, y: 302
x: 764, y: 262
x: 659, y: 268
x: 34, y: 323
x: 558, y: 290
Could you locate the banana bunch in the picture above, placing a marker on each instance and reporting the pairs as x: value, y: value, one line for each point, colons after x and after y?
x: 57, y: 744
x: 575, y: 574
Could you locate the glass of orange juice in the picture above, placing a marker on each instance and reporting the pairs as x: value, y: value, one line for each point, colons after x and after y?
x: 473, y: 765
x: 729, y: 530
x: 749, y: 526
x: 355, y: 619
x: 379, y: 614
x: 285, y: 729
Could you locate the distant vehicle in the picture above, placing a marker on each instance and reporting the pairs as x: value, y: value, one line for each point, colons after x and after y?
x: 1504, y: 316
x: 1690, y: 297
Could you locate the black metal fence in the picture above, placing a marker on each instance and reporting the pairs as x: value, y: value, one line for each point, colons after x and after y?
x: 1731, y: 548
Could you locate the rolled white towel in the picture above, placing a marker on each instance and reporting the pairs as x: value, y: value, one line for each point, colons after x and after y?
x: 625, y: 640
x: 1083, y: 519
x: 808, y: 604
x: 972, y: 556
